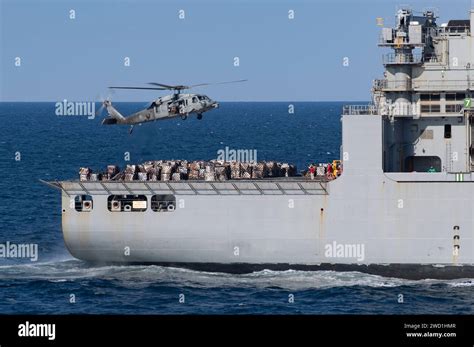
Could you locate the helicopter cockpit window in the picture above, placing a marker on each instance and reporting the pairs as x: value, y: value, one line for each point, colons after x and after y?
x: 195, y: 99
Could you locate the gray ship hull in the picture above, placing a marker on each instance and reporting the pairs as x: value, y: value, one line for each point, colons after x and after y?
x: 412, y: 225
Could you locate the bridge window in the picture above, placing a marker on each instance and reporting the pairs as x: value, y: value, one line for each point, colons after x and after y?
x: 430, y: 103
x: 127, y: 203
x: 453, y: 108
x: 83, y: 203
x: 423, y: 164
x: 455, y: 97
x: 430, y: 108
x: 163, y: 203
x: 430, y: 97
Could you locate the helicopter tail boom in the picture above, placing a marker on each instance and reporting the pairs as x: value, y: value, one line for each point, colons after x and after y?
x: 109, y: 121
x: 114, y: 115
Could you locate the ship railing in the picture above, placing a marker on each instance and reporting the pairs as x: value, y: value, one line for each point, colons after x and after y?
x: 359, y: 110
x: 402, y: 58
x: 442, y: 84
x: 399, y: 109
x: 438, y: 32
x: 431, y: 58
x: 379, y: 84
x: 382, y: 41
x: 384, y: 84
x: 453, y: 30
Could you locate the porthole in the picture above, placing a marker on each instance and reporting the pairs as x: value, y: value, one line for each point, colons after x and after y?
x: 83, y: 203
x: 127, y: 203
x: 163, y: 203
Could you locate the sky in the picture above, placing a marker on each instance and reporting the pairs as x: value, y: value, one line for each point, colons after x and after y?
x: 299, y: 59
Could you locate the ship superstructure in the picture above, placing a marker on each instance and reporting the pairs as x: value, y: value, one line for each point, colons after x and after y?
x: 425, y: 96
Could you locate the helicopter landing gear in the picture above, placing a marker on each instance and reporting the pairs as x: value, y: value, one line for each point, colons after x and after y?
x: 184, y: 116
x: 130, y: 130
x: 199, y: 116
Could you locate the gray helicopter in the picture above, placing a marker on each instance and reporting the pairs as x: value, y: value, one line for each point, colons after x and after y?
x: 165, y: 107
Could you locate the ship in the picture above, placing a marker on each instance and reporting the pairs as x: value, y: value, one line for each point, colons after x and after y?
x: 403, y: 205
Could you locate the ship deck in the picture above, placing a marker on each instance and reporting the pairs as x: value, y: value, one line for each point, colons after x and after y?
x: 264, y: 186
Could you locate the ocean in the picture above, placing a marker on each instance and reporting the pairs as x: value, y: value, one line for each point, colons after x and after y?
x: 37, y: 144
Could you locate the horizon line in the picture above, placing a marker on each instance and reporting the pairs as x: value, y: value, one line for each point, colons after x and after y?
x: 144, y: 101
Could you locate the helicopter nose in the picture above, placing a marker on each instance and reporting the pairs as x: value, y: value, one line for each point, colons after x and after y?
x: 215, y: 104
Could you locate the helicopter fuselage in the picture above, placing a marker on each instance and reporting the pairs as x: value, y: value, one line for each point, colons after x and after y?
x: 166, y: 107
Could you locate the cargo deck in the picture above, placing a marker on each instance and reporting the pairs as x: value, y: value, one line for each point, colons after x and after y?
x: 274, y: 186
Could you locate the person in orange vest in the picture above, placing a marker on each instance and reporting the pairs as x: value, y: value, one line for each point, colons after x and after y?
x: 334, y: 169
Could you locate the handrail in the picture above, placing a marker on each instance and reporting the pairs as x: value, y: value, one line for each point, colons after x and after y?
x: 453, y: 30
x: 435, y: 84
x: 384, y: 84
x: 359, y: 110
x: 402, y: 58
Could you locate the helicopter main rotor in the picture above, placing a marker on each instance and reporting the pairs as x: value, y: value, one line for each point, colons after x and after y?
x: 176, y: 88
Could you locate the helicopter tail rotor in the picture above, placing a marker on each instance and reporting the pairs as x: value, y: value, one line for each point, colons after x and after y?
x: 113, y: 116
x: 104, y: 101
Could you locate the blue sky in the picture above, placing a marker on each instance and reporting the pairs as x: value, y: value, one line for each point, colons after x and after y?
x: 284, y: 60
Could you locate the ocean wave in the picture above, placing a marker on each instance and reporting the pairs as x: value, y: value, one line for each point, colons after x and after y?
x: 152, y: 275
x: 463, y: 283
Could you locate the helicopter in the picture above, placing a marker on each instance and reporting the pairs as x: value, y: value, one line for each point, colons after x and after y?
x: 165, y: 107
